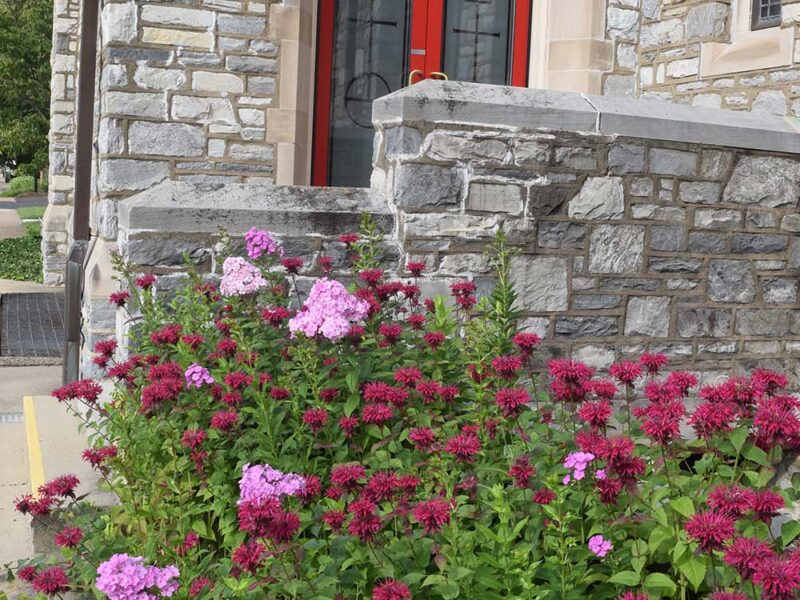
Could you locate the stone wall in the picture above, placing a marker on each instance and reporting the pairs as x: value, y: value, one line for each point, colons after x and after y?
x: 184, y: 89
x: 640, y: 226
x: 62, y: 138
x: 703, y: 53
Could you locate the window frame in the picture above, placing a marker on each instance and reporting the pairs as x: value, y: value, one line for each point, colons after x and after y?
x: 757, y: 22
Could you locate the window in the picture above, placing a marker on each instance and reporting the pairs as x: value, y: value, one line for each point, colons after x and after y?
x: 766, y: 13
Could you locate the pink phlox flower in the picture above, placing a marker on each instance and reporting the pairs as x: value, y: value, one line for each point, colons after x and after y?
x: 600, y: 546
x: 240, y: 278
x: 260, y: 242
x: 262, y: 482
x: 329, y: 311
x: 197, y: 375
x: 124, y: 577
x: 577, y: 463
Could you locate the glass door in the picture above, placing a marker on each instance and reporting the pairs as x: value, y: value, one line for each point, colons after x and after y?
x: 370, y: 48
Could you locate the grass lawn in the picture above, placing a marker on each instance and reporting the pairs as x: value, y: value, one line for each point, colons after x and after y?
x: 31, y: 212
x: 21, y: 258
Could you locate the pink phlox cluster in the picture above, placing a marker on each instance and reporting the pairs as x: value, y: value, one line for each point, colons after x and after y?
x: 197, y: 375
x: 262, y: 482
x: 577, y: 463
x: 329, y: 311
x: 124, y: 577
x: 240, y: 277
x: 600, y: 546
x: 260, y: 242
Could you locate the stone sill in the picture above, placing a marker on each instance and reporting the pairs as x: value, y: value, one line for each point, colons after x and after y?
x: 749, y: 51
x: 181, y: 207
x: 457, y: 102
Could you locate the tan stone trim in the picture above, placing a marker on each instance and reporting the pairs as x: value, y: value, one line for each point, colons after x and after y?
x: 748, y: 50
x: 569, y: 51
x: 289, y: 125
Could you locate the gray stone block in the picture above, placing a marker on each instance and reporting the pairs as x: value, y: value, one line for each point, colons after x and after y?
x: 647, y: 316
x: 241, y: 25
x: 667, y: 238
x: 166, y: 251
x: 626, y: 158
x: 764, y: 180
x: 188, y: 58
x: 166, y: 139
x: 122, y: 175
x: 766, y: 321
x: 701, y: 242
x: 641, y: 187
x: 655, y: 212
x: 699, y: 192
x: 251, y: 64
x: 260, y: 85
x: 616, y: 249
x: 420, y: 186
x: 665, y: 161
x: 791, y: 223
x: 547, y: 199
x: 595, y: 302
x: 779, y: 290
x: 531, y: 153
x: 402, y: 141
x: 715, y: 164
x: 495, y: 198
x: 707, y: 21
x: 703, y: 322
x: 541, y: 282
x: 443, y: 145
x: 583, y: 327
x: 718, y: 219
x: 759, y: 243
x: 627, y: 283
x: 581, y: 159
x: 668, y: 264
x: 560, y: 234
x: 731, y: 281
x: 600, y: 198
x: 761, y: 219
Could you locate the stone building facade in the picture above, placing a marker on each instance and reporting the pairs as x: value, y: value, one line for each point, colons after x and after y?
x: 223, y: 90
x: 677, y: 233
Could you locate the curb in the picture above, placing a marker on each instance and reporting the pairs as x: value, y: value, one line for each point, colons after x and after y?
x: 35, y: 461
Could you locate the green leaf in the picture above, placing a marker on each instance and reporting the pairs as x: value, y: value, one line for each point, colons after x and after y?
x: 638, y: 563
x: 738, y: 438
x: 448, y: 590
x: 789, y: 531
x: 683, y: 506
x: 433, y: 580
x: 457, y: 573
x: 756, y: 455
x: 660, y: 584
x: 626, y: 578
x: 659, y: 536
x: 694, y: 569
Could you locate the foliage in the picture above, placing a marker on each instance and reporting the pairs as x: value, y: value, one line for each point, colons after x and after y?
x: 21, y: 258
x: 25, y: 42
x: 432, y: 461
x: 23, y: 184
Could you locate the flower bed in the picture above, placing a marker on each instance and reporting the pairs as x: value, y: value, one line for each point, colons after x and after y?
x: 375, y: 444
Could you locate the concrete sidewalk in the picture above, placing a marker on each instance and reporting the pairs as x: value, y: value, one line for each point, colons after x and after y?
x: 15, y: 468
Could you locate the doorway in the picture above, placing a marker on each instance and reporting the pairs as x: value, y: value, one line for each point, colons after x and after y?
x: 369, y: 48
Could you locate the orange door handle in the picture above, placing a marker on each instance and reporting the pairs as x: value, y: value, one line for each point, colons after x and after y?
x: 438, y: 75
x: 412, y: 74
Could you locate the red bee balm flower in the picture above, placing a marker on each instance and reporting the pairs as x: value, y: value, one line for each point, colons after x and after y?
x: 710, y: 529
x: 526, y: 342
x: 69, y: 537
x: 522, y: 471
x: 145, y: 281
x: 51, y: 581
x: 463, y: 446
x: 292, y: 264
x: 511, y: 401
x: 391, y: 589
x: 625, y: 372
x: 432, y: 514
x: 119, y: 298
x: 745, y: 554
x: 415, y: 268
x: 315, y: 418
x: 596, y: 414
x: 779, y: 578
x: 544, y: 496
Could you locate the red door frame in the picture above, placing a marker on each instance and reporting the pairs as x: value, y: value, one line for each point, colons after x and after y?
x: 426, y: 45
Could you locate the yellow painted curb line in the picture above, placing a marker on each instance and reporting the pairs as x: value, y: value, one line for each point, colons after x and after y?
x: 35, y: 462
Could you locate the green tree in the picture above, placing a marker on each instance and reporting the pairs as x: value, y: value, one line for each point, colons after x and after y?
x: 25, y: 42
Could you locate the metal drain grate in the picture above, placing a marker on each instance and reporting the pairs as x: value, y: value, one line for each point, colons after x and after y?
x: 32, y: 325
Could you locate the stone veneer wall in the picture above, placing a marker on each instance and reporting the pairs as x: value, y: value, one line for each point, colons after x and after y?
x: 660, y: 47
x: 640, y: 226
x: 183, y: 94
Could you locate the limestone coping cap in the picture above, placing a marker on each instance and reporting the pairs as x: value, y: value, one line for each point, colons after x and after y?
x: 435, y: 101
x: 182, y: 207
